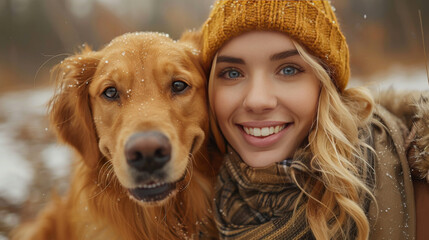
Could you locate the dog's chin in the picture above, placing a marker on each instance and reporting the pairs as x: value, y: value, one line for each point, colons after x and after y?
x: 154, y: 193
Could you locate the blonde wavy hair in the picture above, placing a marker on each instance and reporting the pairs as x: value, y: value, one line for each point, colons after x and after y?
x: 335, y: 197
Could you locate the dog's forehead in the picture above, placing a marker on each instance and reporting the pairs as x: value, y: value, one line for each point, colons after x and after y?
x: 146, y: 46
x: 141, y: 42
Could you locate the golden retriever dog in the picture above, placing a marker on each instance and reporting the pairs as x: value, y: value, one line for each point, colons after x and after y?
x: 136, y: 113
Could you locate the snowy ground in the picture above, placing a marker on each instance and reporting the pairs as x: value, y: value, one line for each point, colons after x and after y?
x: 31, y: 163
x: 397, y: 78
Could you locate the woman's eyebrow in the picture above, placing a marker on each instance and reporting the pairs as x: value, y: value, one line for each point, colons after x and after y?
x: 228, y: 59
x: 283, y: 55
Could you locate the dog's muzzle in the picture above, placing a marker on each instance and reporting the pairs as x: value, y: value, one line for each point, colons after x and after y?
x: 147, y: 153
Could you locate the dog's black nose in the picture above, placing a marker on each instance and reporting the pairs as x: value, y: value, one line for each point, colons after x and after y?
x: 148, y: 151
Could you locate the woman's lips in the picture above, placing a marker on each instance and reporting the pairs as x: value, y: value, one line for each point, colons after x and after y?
x: 263, y: 136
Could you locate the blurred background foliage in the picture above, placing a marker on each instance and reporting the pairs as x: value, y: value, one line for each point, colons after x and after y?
x: 36, y: 34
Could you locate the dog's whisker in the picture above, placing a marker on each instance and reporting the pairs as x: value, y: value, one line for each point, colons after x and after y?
x: 203, y: 157
x: 46, y: 62
x: 112, y: 178
x: 105, y: 164
x: 101, y: 173
x: 105, y: 175
x: 189, y: 169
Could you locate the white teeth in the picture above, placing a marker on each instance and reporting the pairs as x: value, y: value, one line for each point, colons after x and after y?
x: 266, y: 131
x: 154, y: 185
x: 247, y: 130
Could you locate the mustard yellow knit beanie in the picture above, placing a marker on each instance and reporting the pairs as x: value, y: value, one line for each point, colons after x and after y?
x: 311, y: 23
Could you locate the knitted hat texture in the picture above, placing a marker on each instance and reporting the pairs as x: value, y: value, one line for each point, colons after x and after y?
x: 311, y: 23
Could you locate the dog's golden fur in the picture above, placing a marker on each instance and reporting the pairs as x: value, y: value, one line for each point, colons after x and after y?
x: 142, y: 67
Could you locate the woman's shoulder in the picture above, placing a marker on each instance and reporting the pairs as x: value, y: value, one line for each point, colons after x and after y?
x: 394, y: 115
x: 399, y: 115
x: 400, y: 105
x: 400, y: 130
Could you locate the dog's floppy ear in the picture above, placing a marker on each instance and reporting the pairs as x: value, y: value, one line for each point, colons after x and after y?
x: 191, y: 39
x: 69, y: 108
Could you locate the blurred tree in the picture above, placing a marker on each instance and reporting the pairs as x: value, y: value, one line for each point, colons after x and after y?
x: 26, y: 36
x: 383, y: 32
x: 63, y: 22
x: 379, y: 32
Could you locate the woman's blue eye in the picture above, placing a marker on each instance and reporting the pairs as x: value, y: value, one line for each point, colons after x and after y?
x: 233, y: 74
x: 289, y: 71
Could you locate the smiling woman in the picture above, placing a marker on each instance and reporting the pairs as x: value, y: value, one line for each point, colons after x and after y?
x: 305, y: 157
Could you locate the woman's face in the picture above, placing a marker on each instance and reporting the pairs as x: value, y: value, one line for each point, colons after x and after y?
x: 264, y: 96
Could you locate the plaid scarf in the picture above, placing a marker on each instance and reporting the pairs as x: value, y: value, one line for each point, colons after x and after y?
x: 260, y: 203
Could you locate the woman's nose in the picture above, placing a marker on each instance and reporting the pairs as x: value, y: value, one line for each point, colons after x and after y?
x: 260, y: 96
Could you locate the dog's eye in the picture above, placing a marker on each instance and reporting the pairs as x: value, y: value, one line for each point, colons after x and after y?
x: 111, y: 93
x: 179, y: 86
